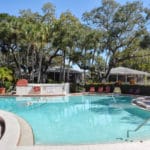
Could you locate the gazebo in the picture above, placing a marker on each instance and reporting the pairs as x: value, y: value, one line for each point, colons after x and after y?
x: 126, y: 74
x: 71, y: 75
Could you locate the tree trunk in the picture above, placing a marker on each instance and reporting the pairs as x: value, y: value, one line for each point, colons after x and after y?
x: 17, y: 63
x: 33, y: 64
x: 40, y: 68
x: 64, y: 72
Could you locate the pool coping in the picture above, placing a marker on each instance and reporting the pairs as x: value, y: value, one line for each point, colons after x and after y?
x: 117, y: 146
x: 17, y: 131
x: 69, y: 94
x: 11, y: 126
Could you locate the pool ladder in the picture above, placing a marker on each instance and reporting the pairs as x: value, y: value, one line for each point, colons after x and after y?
x: 137, y: 128
x: 113, y: 98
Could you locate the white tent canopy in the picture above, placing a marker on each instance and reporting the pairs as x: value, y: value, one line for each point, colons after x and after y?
x: 127, y: 71
x: 139, y: 76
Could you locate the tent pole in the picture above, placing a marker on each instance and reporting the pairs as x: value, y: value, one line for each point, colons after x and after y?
x: 117, y: 77
x: 126, y: 78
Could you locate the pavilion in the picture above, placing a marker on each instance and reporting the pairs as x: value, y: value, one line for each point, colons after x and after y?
x: 124, y: 74
x: 71, y: 75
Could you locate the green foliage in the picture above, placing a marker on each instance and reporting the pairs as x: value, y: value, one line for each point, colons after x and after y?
x: 7, y: 84
x: 125, y: 88
x: 33, y: 41
x: 145, y: 43
x: 51, y: 81
x: 75, y: 88
x: 143, y: 89
x: 141, y: 62
x: 122, y: 27
x: 6, y: 76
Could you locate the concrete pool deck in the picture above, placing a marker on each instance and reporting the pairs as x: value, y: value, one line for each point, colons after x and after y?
x: 119, y: 146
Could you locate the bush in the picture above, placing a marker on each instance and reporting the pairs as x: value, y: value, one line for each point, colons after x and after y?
x: 7, y: 84
x: 76, y: 88
x: 125, y: 88
x: 144, y: 89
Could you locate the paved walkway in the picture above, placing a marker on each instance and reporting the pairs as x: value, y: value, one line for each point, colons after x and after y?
x: 120, y: 146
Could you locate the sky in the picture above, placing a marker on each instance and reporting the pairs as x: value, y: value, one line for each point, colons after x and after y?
x: 77, y: 7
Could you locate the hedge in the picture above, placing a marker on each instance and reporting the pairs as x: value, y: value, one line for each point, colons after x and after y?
x: 125, y: 88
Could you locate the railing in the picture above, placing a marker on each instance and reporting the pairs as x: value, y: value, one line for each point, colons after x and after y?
x: 114, y: 98
x: 137, y: 128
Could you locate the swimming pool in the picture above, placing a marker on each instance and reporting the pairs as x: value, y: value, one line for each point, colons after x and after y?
x: 85, y: 119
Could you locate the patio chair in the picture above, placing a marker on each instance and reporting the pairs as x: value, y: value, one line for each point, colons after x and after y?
x: 117, y: 90
x: 92, y: 89
x: 100, y: 89
x: 107, y: 89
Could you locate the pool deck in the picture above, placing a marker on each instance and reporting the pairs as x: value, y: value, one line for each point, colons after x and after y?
x: 119, y: 146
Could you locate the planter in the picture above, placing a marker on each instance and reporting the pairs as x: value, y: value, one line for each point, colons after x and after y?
x: 2, y: 90
x: 37, y: 88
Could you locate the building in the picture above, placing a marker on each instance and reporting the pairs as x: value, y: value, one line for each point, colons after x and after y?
x: 71, y: 75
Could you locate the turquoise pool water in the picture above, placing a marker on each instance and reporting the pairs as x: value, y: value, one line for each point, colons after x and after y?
x: 86, y: 119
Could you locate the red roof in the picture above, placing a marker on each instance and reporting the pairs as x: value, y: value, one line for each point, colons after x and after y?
x: 22, y: 82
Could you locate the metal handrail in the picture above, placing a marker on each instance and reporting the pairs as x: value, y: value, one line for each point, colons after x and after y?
x: 138, y: 127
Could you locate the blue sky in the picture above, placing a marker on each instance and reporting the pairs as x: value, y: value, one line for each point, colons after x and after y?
x: 77, y: 7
